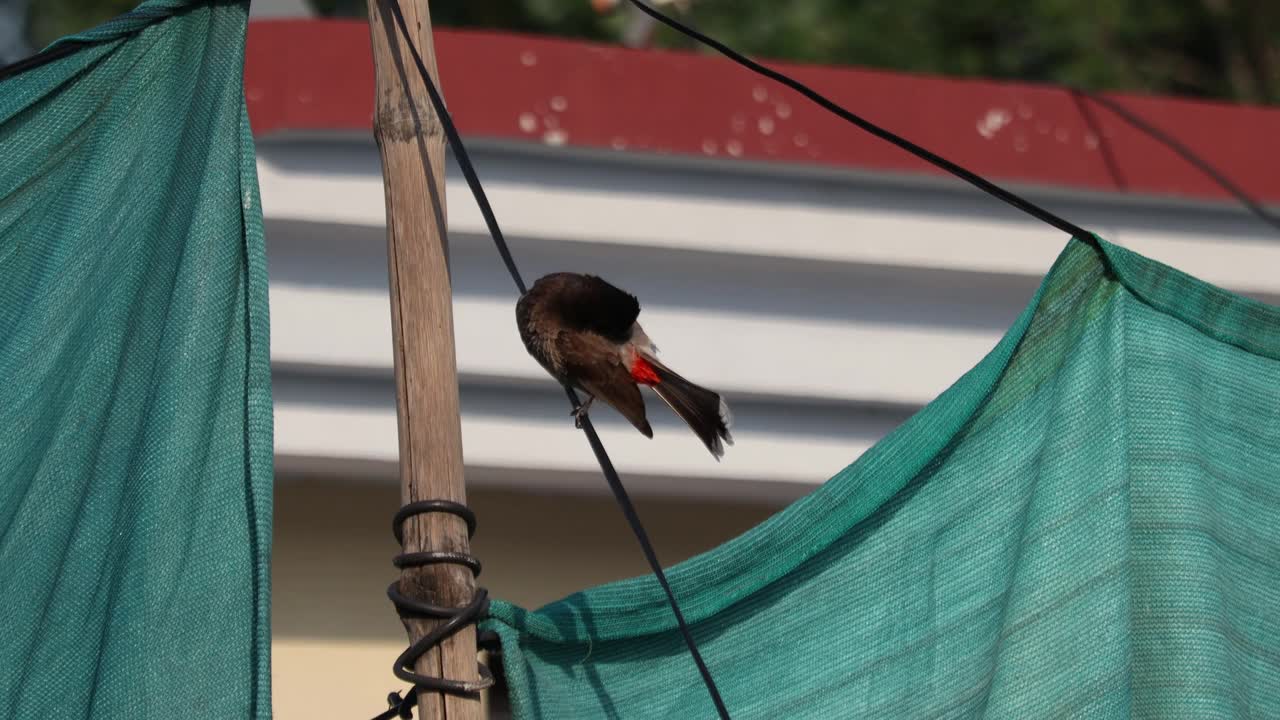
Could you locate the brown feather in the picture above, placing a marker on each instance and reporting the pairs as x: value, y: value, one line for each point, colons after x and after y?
x: 592, y: 363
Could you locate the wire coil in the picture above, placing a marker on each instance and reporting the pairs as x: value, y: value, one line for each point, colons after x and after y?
x: 455, y: 618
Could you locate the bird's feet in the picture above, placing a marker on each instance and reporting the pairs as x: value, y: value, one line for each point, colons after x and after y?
x: 581, y: 411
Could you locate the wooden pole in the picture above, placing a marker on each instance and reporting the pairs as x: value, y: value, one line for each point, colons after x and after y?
x: 411, y: 142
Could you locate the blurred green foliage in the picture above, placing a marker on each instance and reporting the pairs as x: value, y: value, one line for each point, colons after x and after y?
x: 48, y: 20
x: 1207, y: 48
x: 1227, y: 49
x: 568, y: 18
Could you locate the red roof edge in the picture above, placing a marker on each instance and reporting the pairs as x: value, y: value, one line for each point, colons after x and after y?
x: 318, y: 75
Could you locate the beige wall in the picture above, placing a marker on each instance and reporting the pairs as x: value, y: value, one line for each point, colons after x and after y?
x: 335, y: 633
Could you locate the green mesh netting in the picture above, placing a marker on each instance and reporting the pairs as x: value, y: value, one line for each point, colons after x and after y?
x: 1086, y: 525
x: 135, y: 455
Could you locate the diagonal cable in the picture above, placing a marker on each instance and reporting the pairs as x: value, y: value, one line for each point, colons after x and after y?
x: 959, y: 171
x: 1182, y: 150
x: 840, y: 111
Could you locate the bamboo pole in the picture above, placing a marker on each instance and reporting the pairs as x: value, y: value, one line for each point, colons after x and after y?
x: 411, y: 142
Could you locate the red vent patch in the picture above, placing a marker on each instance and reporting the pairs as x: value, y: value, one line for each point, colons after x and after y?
x: 643, y: 372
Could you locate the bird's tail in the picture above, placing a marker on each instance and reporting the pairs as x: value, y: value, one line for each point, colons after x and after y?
x: 705, y: 411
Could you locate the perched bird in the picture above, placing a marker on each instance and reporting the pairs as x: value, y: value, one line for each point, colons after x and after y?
x: 584, y: 332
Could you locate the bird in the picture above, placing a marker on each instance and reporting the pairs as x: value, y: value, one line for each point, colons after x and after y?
x: 583, y: 331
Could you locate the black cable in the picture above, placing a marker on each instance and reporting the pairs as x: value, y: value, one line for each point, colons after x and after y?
x: 400, y: 707
x: 633, y: 519
x: 70, y: 47
x: 44, y: 57
x: 1182, y: 150
x: 968, y: 176
x: 602, y: 456
x: 961, y: 172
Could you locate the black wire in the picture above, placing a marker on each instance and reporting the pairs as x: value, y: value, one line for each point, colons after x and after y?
x: 44, y: 57
x: 964, y: 174
x: 602, y: 456
x: 70, y: 47
x: 633, y: 519
x: 967, y: 175
x: 1173, y: 144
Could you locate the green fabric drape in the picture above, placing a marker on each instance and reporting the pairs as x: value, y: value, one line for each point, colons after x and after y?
x: 135, y: 454
x: 1087, y: 524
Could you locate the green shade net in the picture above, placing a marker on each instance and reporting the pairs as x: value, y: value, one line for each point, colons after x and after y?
x: 1086, y: 525
x: 135, y: 455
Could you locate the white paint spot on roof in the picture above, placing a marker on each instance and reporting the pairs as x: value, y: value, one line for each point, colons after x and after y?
x: 801, y: 139
x: 618, y: 143
x: 528, y: 122
x: 559, y: 103
x: 709, y: 147
x: 555, y: 137
x: 254, y: 94
x: 304, y: 97
x: 528, y: 59
x: 759, y: 94
x: 782, y: 110
x: 734, y: 148
x: 993, y: 122
x: 1091, y: 141
x: 551, y: 122
x: 765, y: 123
x: 1061, y: 135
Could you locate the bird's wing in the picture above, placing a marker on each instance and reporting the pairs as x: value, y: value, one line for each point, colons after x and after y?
x: 593, y: 363
x: 597, y: 306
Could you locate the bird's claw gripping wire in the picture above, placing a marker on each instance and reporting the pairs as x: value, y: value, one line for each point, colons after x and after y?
x: 580, y: 412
